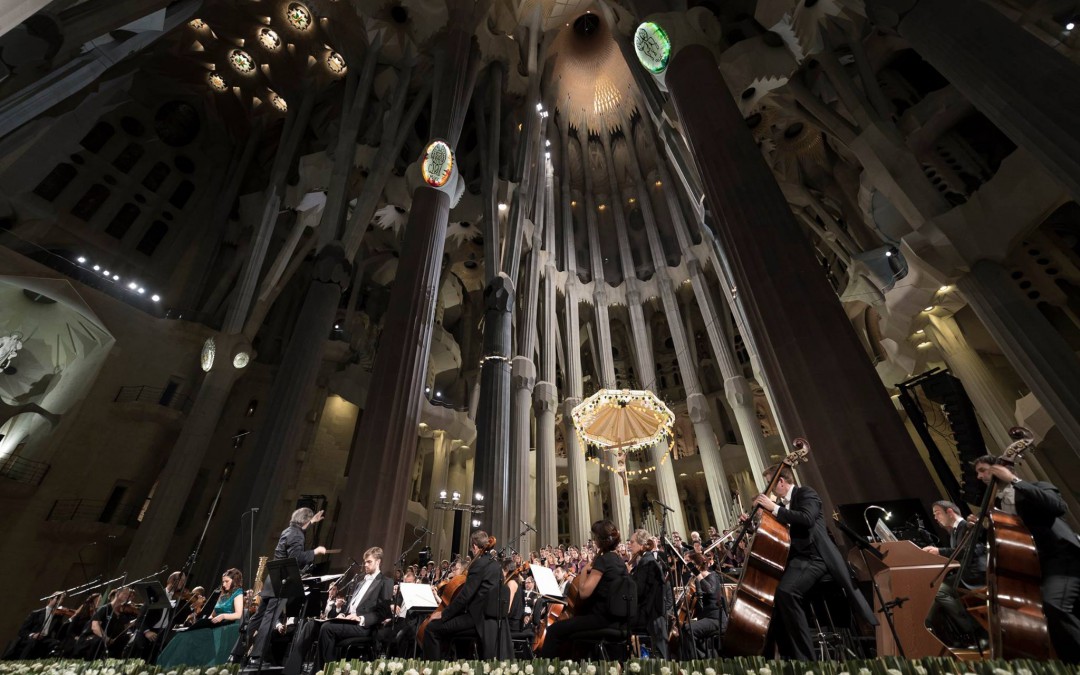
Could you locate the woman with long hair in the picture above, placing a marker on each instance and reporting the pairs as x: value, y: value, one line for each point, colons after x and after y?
x: 209, y: 643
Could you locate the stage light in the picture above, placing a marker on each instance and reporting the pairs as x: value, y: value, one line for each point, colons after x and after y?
x: 155, y: 297
x: 81, y: 259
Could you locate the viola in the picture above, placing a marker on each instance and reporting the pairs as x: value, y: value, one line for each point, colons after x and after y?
x: 557, y: 611
x: 765, y: 562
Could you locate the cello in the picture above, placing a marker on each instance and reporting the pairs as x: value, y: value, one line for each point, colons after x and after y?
x: 1017, y: 625
x: 766, y: 559
x: 448, y: 589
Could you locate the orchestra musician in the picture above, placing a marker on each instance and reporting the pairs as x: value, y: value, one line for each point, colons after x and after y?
x: 77, y: 624
x: 367, y: 608
x: 812, y: 556
x: 465, y: 616
x: 947, y: 607
x: 103, y: 636
x: 290, y: 545
x: 596, y: 584
x: 708, y: 618
x: 1040, y: 506
x: 210, y: 645
x: 152, y: 624
x: 39, y: 631
x: 648, y: 576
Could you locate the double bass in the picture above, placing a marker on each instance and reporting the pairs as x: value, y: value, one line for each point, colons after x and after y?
x: 448, y: 589
x: 1017, y: 625
x: 766, y: 559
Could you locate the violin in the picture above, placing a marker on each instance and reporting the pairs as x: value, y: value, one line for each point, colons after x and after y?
x: 65, y: 612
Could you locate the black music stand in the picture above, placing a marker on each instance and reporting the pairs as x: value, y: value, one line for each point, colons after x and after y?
x: 154, y: 597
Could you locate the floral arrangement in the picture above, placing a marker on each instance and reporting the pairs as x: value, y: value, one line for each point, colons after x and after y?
x: 735, y: 666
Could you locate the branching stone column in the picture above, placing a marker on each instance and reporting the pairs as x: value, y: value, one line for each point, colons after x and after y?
x: 1035, y: 349
x: 492, y: 477
x: 440, y: 469
x: 806, y: 343
x: 575, y: 454
x: 545, y: 395
x: 1002, y: 69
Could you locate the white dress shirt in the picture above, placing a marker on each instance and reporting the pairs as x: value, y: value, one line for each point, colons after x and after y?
x: 359, y: 595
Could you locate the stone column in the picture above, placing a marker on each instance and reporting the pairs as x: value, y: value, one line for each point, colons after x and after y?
x: 440, y: 468
x: 492, y: 477
x: 522, y: 381
x: 575, y: 469
x: 1035, y: 349
x: 385, y: 442
x: 545, y: 400
x: 993, y: 62
x: 824, y: 387
x: 459, y: 478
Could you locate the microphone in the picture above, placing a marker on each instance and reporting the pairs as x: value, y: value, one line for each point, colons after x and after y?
x: 423, y: 529
x: 663, y: 506
x: 528, y: 526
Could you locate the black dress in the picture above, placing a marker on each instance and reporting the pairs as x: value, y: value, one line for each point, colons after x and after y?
x: 594, y: 615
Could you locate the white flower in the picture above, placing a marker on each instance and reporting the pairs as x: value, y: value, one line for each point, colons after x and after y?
x: 696, y: 672
x: 664, y: 670
x: 564, y: 670
x: 513, y: 668
x: 487, y: 668
x: 426, y: 671
x: 710, y: 671
x: 528, y: 669
x: 591, y: 669
x: 410, y: 671
x: 766, y: 671
x: 551, y: 669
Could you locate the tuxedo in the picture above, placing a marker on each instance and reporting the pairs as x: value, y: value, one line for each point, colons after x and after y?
x: 975, y: 575
x: 25, y: 647
x: 1041, y: 508
x: 369, y: 600
x: 813, y: 556
x: 466, y: 614
x: 948, y: 614
x: 651, y: 618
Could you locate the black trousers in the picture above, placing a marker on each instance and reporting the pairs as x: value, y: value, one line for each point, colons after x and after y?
x: 558, y: 642
x: 1061, y: 603
x: 440, y: 631
x: 294, y: 662
x: 332, y: 633
x: 793, y: 637
x: 948, y: 610
x: 261, y: 625
x: 694, y: 634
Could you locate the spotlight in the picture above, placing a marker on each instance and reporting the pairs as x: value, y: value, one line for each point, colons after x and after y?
x: 929, y: 309
x: 438, y: 394
x: 502, y: 206
x: 1070, y: 25
x: 97, y: 268
x: 155, y: 297
x: 479, y: 497
x: 116, y: 277
x: 81, y: 259
x: 944, y: 289
x: 133, y: 285
x: 106, y: 273
x: 888, y: 254
x: 475, y: 523
x: 442, y: 494
x: 539, y: 107
x: 547, y: 143
x: 141, y: 290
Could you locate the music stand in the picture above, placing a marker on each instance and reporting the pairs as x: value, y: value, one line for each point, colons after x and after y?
x: 154, y: 597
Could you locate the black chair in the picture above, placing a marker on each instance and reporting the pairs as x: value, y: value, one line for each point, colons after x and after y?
x: 833, y: 637
x: 606, y: 644
x: 364, y: 647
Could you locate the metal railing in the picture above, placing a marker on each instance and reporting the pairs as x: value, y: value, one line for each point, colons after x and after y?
x: 24, y: 470
x: 93, y: 510
x: 163, y: 396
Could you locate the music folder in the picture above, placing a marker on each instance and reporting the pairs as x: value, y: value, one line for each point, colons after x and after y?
x: 545, y: 581
x: 154, y: 594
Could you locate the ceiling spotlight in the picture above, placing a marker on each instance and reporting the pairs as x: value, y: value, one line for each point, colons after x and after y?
x: 133, y: 285
x: 337, y: 326
x: 81, y: 259
x: 502, y: 206
x: 106, y: 273
x: 116, y: 277
x: 155, y: 297
x: 97, y: 268
x: 547, y: 143
x: 944, y: 289
x: 888, y: 254
x: 1070, y: 25
x: 427, y: 390
x: 920, y: 332
x: 659, y: 184
x: 929, y: 309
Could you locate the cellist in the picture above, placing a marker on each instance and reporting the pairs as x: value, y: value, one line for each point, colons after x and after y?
x: 464, y: 617
x: 812, y: 556
x: 1041, y: 507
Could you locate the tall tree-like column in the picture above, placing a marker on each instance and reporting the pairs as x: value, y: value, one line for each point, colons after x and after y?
x: 545, y: 395
x: 1025, y: 87
x: 440, y: 469
x: 384, y: 447
x: 1035, y: 349
x: 806, y: 343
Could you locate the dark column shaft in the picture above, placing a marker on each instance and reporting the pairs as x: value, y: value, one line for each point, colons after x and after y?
x: 824, y: 385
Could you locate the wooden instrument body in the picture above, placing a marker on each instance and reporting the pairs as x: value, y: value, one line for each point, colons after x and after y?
x: 755, y: 598
x: 686, y: 606
x: 447, y: 591
x: 1018, y: 627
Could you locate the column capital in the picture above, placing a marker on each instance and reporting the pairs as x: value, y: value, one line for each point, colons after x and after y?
x: 737, y: 390
x: 522, y: 373
x: 568, y: 406
x: 331, y: 266
x: 499, y: 294
x: 545, y: 397
x: 600, y: 297
x: 697, y: 407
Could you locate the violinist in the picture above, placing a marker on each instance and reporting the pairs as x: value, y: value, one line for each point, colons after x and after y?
x: 948, y: 611
x: 464, y: 617
x: 104, y: 636
x: 812, y: 556
x: 77, y: 624
x: 709, y: 611
x: 648, y: 576
x: 38, y: 634
x: 597, y: 584
x: 1041, y: 507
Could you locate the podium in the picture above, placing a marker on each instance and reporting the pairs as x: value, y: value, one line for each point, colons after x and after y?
x: 906, y: 571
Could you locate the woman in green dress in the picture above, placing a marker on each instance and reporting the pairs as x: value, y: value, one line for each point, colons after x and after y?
x: 211, y: 646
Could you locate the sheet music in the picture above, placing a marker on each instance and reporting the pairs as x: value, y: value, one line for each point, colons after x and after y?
x: 414, y: 596
x: 883, y: 532
x: 545, y: 581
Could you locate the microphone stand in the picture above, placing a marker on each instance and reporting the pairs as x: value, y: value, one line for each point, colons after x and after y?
x: 406, y: 552
x: 886, y: 607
